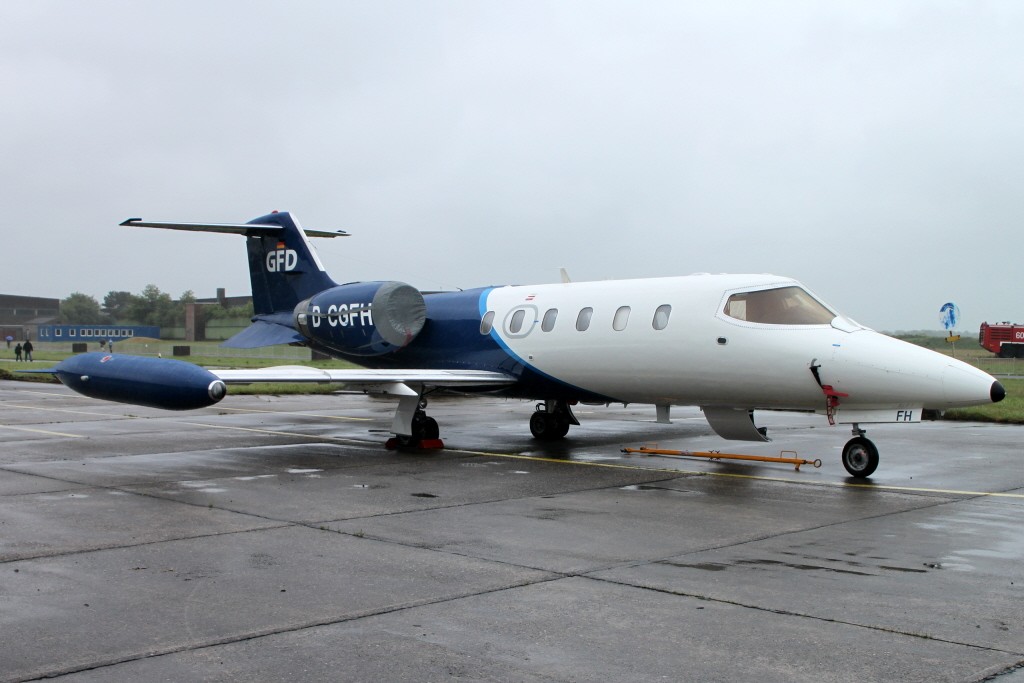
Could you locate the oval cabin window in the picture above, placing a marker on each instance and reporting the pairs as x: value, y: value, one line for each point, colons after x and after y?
x: 620, y: 319
x: 583, y: 319
x: 661, y: 315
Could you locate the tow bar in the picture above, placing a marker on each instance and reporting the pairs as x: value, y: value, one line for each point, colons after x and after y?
x: 716, y: 455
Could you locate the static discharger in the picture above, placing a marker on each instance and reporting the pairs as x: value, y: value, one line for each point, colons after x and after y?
x: 715, y: 455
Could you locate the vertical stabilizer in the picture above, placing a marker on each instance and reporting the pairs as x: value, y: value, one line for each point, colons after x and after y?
x: 283, y: 268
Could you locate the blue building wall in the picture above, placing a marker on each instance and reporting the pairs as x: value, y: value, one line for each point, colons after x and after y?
x: 95, y: 333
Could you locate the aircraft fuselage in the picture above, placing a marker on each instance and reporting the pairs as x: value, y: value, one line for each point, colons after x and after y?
x: 670, y: 341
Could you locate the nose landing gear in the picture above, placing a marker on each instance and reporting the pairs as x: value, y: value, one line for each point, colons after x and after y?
x: 551, y: 420
x: 860, y: 456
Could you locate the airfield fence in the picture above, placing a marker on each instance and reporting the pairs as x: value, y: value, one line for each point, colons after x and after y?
x: 1000, y: 367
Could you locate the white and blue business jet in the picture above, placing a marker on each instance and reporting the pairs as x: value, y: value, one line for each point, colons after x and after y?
x: 731, y: 344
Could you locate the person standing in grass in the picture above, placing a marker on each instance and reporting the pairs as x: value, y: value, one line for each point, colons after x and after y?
x: 27, y: 349
x: 17, y: 352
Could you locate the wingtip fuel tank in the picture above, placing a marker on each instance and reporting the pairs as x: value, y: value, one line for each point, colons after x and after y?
x: 155, y: 382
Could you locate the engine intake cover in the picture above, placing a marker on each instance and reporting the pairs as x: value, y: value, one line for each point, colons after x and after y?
x: 399, y: 312
x: 363, y: 318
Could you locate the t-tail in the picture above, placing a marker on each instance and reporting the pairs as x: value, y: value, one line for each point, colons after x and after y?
x: 283, y: 270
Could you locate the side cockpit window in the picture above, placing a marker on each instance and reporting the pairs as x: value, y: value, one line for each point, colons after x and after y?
x: 487, y: 322
x: 780, y: 306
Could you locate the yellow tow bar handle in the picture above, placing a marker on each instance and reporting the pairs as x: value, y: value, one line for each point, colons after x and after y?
x: 716, y: 455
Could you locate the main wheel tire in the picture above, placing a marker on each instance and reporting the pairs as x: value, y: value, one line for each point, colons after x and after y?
x: 560, y: 424
x: 430, y: 428
x: 860, y: 457
x: 540, y: 426
x: 548, y: 426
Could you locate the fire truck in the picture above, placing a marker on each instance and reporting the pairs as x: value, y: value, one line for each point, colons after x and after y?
x: 1004, y: 339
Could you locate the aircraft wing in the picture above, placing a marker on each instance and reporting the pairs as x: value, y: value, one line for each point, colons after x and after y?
x: 365, y: 378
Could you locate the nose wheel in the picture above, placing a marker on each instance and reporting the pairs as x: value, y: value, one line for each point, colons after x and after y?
x: 860, y: 457
x: 548, y: 426
x: 551, y: 420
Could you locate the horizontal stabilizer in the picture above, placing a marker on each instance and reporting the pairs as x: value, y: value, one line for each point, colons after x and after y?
x: 283, y: 266
x: 230, y: 228
x: 263, y: 333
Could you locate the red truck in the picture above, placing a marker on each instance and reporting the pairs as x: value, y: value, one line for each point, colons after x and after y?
x: 1004, y: 339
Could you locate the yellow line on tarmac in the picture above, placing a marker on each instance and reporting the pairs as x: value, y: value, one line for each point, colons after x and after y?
x: 42, y: 431
x: 314, y: 437
x: 784, y: 480
x: 69, y: 394
x: 285, y: 412
x: 63, y: 410
x: 915, y: 489
x: 866, y: 485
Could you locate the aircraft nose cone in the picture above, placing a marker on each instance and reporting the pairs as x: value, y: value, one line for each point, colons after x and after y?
x: 998, y: 393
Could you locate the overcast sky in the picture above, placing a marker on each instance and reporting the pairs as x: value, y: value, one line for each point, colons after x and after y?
x: 872, y: 150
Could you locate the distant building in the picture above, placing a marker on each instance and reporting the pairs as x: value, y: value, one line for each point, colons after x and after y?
x: 20, y: 316
x: 199, y: 328
x: 226, y: 301
x: 37, y: 318
x: 95, y: 333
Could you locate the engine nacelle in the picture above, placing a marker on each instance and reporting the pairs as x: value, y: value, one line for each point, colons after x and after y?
x: 155, y: 382
x: 363, y: 318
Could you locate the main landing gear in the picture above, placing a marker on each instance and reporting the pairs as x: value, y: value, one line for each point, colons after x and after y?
x: 424, y: 429
x: 551, y: 420
x: 860, y: 457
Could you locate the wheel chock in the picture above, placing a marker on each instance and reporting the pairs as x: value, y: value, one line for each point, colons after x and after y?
x: 424, y: 445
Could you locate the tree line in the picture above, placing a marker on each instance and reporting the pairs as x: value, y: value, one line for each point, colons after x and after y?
x: 149, y: 307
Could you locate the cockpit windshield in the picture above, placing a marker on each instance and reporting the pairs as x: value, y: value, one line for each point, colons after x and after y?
x: 780, y: 306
